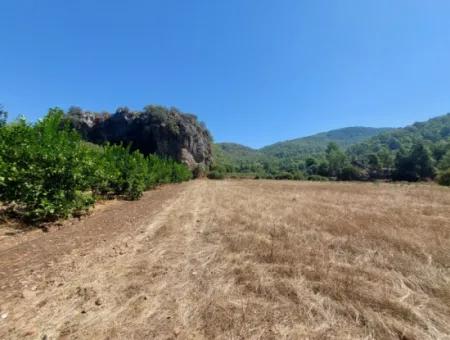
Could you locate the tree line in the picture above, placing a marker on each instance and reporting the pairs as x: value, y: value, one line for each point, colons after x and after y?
x: 414, y: 164
x: 420, y: 152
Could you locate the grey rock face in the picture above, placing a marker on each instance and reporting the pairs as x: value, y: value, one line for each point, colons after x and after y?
x: 156, y: 129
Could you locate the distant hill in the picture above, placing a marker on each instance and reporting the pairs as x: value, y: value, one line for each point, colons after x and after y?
x: 435, y: 133
x: 420, y: 151
x: 295, y: 148
x: 416, y: 152
x: 305, y: 146
x: 233, y: 152
x: 239, y: 150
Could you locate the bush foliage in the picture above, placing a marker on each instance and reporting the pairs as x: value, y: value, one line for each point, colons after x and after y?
x: 444, y: 178
x: 47, y: 171
x: 216, y: 175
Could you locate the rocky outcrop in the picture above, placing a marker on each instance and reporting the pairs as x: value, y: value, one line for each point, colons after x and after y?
x: 156, y: 129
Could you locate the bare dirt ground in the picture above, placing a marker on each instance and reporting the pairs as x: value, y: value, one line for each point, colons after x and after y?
x: 238, y: 259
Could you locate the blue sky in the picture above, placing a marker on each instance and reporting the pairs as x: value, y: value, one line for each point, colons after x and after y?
x: 256, y: 71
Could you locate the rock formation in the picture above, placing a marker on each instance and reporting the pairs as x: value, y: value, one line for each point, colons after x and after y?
x: 156, y: 129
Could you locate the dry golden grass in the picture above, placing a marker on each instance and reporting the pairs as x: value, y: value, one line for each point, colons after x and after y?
x: 261, y: 260
x: 331, y: 260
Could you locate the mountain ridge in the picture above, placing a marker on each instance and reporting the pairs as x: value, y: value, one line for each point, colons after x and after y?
x: 311, y: 144
x: 419, y: 151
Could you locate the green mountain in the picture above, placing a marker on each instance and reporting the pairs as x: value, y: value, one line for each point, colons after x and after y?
x: 233, y: 153
x: 434, y: 133
x: 238, y: 151
x: 296, y: 148
x: 315, y: 144
x: 415, y: 152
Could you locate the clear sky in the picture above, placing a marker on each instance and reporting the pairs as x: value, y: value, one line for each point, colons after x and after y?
x: 256, y: 71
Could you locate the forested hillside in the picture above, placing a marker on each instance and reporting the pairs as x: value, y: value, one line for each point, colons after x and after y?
x: 416, y: 152
x: 242, y: 158
x: 231, y: 154
x: 434, y: 133
x: 307, y: 146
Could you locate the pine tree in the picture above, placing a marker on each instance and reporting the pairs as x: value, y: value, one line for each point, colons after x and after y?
x: 421, y: 156
x: 337, y: 160
x: 415, y: 165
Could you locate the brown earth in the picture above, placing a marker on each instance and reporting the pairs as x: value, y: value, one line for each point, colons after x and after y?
x: 237, y: 259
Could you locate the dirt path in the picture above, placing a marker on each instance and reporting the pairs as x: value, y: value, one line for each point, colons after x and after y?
x: 108, y: 266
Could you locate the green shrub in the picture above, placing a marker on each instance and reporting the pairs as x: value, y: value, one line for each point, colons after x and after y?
x: 122, y: 172
x: 215, y: 175
x: 284, y: 175
x: 317, y: 178
x: 43, y: 167
x: 199, y: 171
x: 180, y: 173
x: 444, y: 178
x: 298, y: 176
x: 48, y: 172
x: 349, y: 173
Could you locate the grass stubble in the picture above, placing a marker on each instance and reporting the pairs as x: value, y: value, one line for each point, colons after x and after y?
x: 255, y: 260
x: 329, y: 260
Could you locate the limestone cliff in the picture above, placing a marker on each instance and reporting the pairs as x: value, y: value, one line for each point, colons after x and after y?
x: 155, y: 129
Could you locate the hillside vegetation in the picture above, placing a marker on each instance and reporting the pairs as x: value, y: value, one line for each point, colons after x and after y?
x: 298, y: 148
x: 417, y: 152
x: 231, y: 155
x: 434, y: 133
x: 307, y: 146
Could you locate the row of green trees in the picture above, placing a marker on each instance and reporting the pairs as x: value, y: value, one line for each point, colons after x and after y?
x: 417, y: 152
x: 415, y: 163
x: 47, y: 171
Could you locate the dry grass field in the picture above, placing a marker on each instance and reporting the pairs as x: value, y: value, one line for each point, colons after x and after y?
x: 246, y: 260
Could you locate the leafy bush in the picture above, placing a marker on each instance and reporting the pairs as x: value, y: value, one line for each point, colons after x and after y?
x: 48, y: 172
x: 284, y: 175
x: 120, y: 172
x: 216, y: 172
x: 43, y: 169
x: 444, y: 178
x: 299, y: 176
x: 215, y: 175
x: 199, y: 171
x: 414, y: 165
x: 180, y: 172
x: 317, y: 178
x: 445, y: 161
x: 349, y: 173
